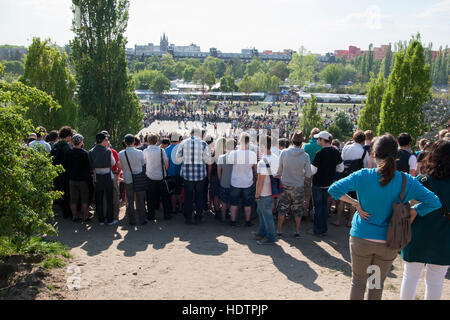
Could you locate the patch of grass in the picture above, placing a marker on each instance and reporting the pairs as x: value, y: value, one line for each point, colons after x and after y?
x: 53, y: 263
x: 50, y: 251
x: 51, y: 287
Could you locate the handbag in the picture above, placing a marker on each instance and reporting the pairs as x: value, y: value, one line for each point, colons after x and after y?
x: 140, y: 180
x: 168, y: 185
x: 277, y: 187
x: 399, y: 232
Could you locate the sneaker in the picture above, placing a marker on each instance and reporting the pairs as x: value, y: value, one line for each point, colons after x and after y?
x: 279, y: 234
x: 264, y: 242
x: 248, y: 224
x: 297, y: 236
x: 113, y: 223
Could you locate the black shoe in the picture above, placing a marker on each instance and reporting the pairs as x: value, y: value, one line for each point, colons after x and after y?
x: 77, y: 220
x: 167, y: 217
x: 143, y: 223
x: 248, y: 224
x: 87, y: 220
x: 173, y: 213
x: 149, y: 218
x: 233, y: 223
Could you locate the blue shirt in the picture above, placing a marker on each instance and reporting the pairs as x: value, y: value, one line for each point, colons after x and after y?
x: 378, y: 200
x: 174, y: 169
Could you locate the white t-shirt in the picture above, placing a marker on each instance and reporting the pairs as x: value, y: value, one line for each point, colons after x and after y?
x: 274, y: 162
x: 243, y: 161
x: 412, y: 162
x: 152, y: 158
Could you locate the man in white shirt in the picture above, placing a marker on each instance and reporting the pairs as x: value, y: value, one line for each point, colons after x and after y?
x: 267, y: 166
x: 352, y: 154
x: 242, y: 179
x: 157, y: 163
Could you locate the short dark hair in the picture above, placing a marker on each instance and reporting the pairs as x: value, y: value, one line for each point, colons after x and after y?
x: 283, y: 142
x: 165, y: 141
x: 52, y: 136
x: 359, y: 137
x: 404, y: 139
x: 65, y: 132
x: 40, y: 132
x: 152, y: 138
x: 137, y: 141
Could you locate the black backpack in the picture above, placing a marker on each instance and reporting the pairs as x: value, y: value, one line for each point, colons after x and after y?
x: 351, y: 166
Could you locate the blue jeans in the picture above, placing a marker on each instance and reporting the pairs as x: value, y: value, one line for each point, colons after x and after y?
x: 320, y: 199
x: 266, y: 223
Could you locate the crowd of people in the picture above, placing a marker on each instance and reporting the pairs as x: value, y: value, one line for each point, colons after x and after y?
x: 276, y: 177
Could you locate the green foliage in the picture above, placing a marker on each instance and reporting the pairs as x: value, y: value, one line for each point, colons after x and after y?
x: 26, y: 186
x: 35, y: 247
x: 204, y: 76
x: 160, y: 83
x: 188, y: 73
x: 260, y: 82
x: 280, y: 70
x: 311, y: 118
x: 53, y: 263
x: 256, y: 65
x: 332, y: 74
x: 408, y: 89
x: 227, y: 84
x: 14, y: 67
x: 106, y: 91
x: 216, y: 65
x: 47, y: 70
x: 342, y: 128
x: 144, y: 78
x: 370, y: 115
x: 302, y: 68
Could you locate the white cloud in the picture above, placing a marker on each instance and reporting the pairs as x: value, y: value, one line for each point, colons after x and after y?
x: 441, y: 7
x: 371, y: 18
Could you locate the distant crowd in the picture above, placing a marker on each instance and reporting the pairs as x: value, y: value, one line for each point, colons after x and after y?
x: 274, y: 177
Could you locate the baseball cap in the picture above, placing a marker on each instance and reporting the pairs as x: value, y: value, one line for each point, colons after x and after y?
x: 175, y: 137
x: 77, y: 139
x: 106, y: 133
x: 324, y: 135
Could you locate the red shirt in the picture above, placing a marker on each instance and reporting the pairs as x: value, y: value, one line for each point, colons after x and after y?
x: 116, y: 157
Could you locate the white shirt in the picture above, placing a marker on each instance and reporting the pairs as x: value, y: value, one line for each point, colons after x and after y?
x: 243, y: 161
x: 412, y: 162
x: 152, y: 158
x: 355, y: 151
x: 262, y: 169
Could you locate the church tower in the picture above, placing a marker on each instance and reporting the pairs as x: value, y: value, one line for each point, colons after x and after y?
x: 164, y: 43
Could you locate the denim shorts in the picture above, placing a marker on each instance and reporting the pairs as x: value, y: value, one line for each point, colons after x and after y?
x: 248, y: 195
x: 224, y: 194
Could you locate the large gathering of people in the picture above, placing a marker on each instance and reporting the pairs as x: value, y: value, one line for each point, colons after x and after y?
x: 255, y: 173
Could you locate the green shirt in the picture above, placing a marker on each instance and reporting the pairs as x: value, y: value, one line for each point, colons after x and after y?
x: 431, y: 233
x: 312, y: 148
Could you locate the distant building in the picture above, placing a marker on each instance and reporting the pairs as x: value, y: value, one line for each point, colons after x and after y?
x: 354, y: 52
x: 193, y: 51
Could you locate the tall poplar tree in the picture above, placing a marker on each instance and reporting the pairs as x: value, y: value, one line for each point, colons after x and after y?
x: 408, y: 89
x: 370, y: 115
x: 106, y: 91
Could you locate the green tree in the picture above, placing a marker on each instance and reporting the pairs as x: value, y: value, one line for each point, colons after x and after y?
x: 254, y: 66
x: 311, y: 118
x: 14, y: 67
x: 247, y: 85
x: 332, y: 74
x: 387, y: 62
x: 302, y: 68
x: 188, y: 73
x: 106, y: 91
x: 227, y: 84
x: 280, y: 70
x: 180, y: 66
x: 216, y: 65
x: 26, y: 187
x: 47, y: 69
x: 370, y: 115
x: 204, y: 76
x: 408, y: 89
x: 160, y: 83
x: 144, y: 79
x: 342, y: 128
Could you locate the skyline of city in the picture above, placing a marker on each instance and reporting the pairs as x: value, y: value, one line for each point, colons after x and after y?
x: 321, y: 26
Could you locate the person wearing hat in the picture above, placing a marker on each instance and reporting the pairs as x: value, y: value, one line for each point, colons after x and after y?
x: 135, y: 158
x: 326, y: 163
x: 102, y: 161
x: 295, y: 172
x: 79, y: 173
x: 174, y: 171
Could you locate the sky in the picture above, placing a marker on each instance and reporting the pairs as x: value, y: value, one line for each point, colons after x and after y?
x: 319, y: 25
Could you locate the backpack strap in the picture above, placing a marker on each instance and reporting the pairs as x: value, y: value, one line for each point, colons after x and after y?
x: 402, y: 194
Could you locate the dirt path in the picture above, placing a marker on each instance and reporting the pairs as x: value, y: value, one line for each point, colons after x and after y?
x: 170, y: 260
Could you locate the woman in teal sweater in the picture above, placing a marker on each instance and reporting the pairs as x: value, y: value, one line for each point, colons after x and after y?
x: 430, y: 244
x: 377, y: 189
